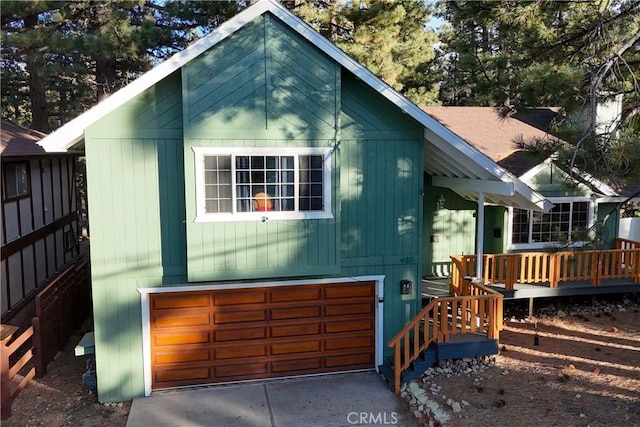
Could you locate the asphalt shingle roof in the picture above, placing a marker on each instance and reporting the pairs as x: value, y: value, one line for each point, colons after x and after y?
x: 16, y: 141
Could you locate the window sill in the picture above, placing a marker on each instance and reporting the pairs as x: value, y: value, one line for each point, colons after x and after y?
x: 262, y: 216
x: 541, y: 245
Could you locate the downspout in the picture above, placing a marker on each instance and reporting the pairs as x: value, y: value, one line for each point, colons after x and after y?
x: 480, y: 236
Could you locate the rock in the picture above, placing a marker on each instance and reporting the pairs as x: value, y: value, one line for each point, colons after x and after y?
x: 613, y: 329
x: 456, y: 407
x: 578, y: 396
x: 561, y: 313
x: 505, y: 372
x: 582, y: 416
x: 465, y: 403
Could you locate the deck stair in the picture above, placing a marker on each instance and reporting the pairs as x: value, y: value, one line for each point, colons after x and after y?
x: 465, y: 325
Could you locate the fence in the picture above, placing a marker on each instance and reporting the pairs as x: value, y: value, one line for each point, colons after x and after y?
x: 61, y: 307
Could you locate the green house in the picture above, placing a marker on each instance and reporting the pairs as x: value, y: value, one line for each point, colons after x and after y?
x: 258, y: 205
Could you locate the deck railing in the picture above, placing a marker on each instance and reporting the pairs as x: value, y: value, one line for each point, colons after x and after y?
x: 473, y: 309
x: 23, y: 350
x: 552, y: 268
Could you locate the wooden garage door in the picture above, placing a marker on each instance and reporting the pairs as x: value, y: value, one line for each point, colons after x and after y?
x: 206, y: 337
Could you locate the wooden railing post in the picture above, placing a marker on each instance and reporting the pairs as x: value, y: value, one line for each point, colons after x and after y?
x: 596, y: 266
x: 554, y: 270
x: 5, y: 382
x: 39, y: 362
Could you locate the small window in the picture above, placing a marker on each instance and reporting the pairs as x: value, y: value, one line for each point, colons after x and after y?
x: 239, y: 183
x: 16, y: 180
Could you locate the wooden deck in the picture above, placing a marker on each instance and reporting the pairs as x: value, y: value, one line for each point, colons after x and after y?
x: 439, y: 288
x: 566, y: 289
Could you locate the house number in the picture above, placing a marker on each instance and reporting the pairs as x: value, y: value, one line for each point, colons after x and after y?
x: 407, y: 260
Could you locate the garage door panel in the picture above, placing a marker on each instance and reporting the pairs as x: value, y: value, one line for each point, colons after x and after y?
x: 342, y: 309
x: 349, y: 325
x: 295, y: 330
x: 296, y: 347
x: 226, y: 298
x: 182, y: 375
x: 363, y: 359
x: 181, y: 300
x: 234, y: 352
x: 247, y: 368
x: 240, y: 334
x: 349, y: 342
x: 258, y: 333
x: 172, y: 319
x: 180, y: 337
x: 296, y: 366
x: 295, y: 313
x: 195, y: 355
x: 290, y: 294
x: 348, y: 291
x: 240, y: 316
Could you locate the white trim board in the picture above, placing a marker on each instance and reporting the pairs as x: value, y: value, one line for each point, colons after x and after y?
x: 146, y: 330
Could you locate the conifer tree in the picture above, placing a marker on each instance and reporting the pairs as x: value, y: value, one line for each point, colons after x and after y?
x: 575, y: 55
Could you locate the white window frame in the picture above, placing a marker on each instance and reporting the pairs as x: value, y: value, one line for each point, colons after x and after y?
x: 544, y: 245
x: 203, y: 216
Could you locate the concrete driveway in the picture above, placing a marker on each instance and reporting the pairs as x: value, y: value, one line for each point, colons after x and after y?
x: 353, y: 399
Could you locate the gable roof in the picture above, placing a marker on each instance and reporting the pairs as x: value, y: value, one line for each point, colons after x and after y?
x: 16, y: 141
x: 490, y: 133
x: 495, y: 136
x: 466, y: 162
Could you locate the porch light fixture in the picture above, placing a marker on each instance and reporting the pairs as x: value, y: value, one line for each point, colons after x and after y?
x: 441, y: 202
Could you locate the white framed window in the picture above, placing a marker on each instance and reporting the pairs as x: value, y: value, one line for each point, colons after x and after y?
x: 239, y: 184
x: 537, y: 230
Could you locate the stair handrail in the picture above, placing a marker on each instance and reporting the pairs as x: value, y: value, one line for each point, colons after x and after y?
x: 437, y: 310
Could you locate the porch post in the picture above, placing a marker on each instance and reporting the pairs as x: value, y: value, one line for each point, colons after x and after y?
x: 480, y: 237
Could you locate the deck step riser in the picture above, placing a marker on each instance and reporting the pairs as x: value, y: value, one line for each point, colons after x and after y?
x: 437, y: 352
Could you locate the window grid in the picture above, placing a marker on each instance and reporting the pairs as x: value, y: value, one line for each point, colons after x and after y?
x: 537, y: 227
x: 252, y: 183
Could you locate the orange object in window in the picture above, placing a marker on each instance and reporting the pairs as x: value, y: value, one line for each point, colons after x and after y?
x: 262, y: 202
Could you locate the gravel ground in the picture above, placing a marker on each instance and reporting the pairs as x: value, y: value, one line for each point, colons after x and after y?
x: 575, y: 363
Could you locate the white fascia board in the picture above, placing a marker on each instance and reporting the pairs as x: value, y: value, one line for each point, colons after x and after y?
x: 532, y: 199
x: 595, y: 183
x: 535, y: 170
x: 73, y: 132
x: 587, y: 178
x: 478, y: 185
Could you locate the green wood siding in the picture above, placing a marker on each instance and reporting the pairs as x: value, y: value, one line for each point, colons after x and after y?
x: 264, y: 86
x: 607, y: 223
x: 381, y: 198
x: 554, y: 182
x: 136, y: 199
x: 450, y: 231
x: 495, y: 229
x: 264, y: 81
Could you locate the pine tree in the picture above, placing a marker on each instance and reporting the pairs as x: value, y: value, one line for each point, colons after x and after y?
x: 390, y: 38
x: 518, y: 54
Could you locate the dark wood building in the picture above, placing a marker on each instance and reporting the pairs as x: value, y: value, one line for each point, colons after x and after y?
x: 39, y: 216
